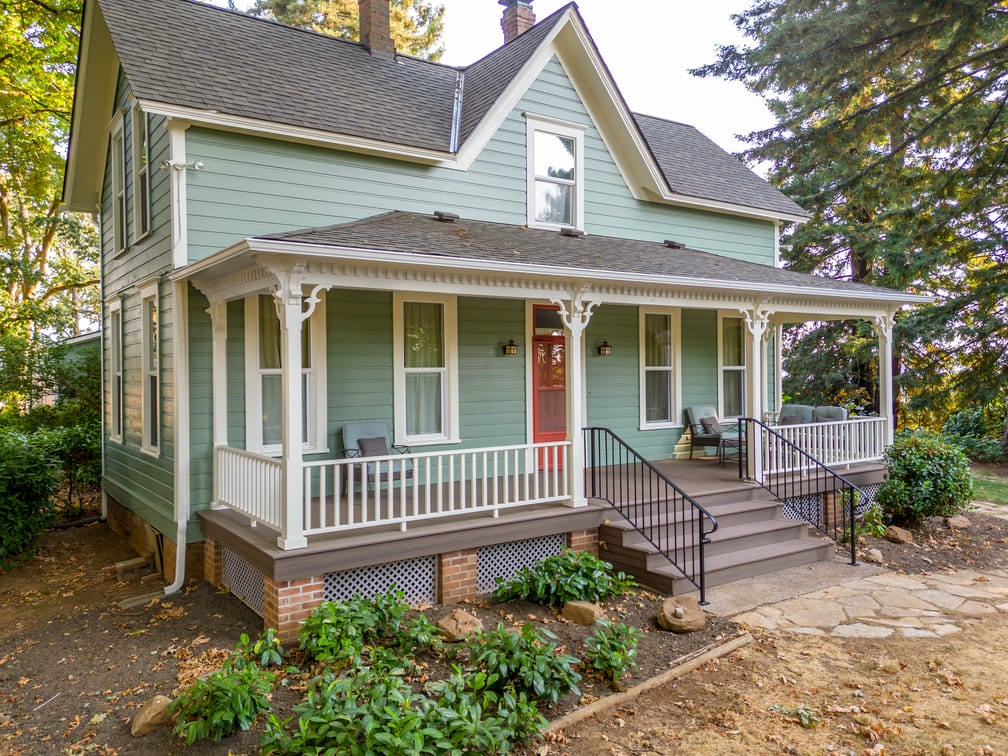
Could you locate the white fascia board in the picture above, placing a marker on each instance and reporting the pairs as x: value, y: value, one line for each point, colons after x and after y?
x: 300, y: 249
x: 214, y: 119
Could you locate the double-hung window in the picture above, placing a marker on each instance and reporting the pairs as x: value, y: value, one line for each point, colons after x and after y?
x: 659, y: 369
x: 264, y: 377
x: 151, y: 386
x: 141, y: 174
x: 425, y: 346
x: 118, y: 149
x: 731, y: 361
x: 115, y: 371
x: 555, y: 173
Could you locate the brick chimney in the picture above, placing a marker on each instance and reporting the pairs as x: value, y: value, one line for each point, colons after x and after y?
x: 375, y: 28
x: 518, y: 18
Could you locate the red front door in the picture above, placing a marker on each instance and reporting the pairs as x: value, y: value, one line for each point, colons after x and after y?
x: 549, y: 380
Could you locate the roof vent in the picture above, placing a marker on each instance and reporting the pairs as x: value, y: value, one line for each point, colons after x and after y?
x: 574, y: 233
x: 444, y: 217
x: 671, y: 244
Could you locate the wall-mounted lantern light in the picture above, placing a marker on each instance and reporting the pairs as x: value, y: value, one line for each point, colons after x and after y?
x: 604, y: 349
x: 510, y: 349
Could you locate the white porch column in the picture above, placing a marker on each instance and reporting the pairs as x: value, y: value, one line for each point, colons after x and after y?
x: 883, y: 326
x: 757, y: 321
x: 218, y: 342
x: 575, y: 315
x: 289, y: 299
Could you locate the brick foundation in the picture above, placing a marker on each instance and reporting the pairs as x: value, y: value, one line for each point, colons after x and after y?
x: 584, y: 540
x: 457, y: 576
x: 213, y: 563
x: 143, y: 538
x: 286, y: 604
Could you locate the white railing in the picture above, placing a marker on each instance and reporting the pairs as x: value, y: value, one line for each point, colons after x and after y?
x: 344, y: 494
x: 249, y: 483
x: 844, y: 442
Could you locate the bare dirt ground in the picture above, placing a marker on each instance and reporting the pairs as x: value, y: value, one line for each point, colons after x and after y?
x: 74, y: 667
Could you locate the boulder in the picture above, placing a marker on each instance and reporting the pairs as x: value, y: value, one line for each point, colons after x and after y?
x: 152, y: 716
x: 898, y: 535
x: 458, y: 624
x: 957, y: 522
x: 874, y: 555
x: 582, y: 612
x: 681, y: 614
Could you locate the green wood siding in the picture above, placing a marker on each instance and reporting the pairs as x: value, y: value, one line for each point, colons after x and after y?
x: 200, y: 403
x: 236, y: 374
x: 252, y: 185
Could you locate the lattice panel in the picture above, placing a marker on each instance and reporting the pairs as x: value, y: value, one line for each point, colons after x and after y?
x: 503, y: 560
x: 808, y: 508
x: 244, y: 581
x: 865, y: 502
x: 416, y: 578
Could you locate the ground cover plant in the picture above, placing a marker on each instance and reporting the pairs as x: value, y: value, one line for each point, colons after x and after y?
x: 567, y: 576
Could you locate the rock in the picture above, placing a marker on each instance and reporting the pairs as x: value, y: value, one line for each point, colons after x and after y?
x: 957, y: 522
x: 874, y: 555
x: 458, y: 624
x: 898, y: 535
x: 681, y: 614
x: 152, y: 716
x: 582, y: 612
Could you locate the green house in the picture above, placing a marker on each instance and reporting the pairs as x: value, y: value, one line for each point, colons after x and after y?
x: 360, y: 309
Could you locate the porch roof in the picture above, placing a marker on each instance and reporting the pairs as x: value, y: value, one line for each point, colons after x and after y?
x: 417, y: 240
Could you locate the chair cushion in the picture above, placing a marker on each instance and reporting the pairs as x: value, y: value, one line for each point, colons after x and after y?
x: 711, y: 425
x: 373, y: 447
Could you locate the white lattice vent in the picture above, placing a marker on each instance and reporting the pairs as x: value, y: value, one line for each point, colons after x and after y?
x: 416, y: 578
x: 808, y: 508
x: 503, y: 560
x: 870, y: 491
x: 244, y: 581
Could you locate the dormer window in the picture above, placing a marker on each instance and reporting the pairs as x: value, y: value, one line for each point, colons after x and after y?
x: 555, y: 172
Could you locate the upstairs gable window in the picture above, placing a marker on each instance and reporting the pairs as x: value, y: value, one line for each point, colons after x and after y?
x: 555, y: 172
x: 118, y: 186
x: 141, y: 174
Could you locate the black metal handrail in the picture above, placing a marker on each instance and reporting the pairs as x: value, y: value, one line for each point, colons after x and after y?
x: 668, y: 517
x: 806, y: 479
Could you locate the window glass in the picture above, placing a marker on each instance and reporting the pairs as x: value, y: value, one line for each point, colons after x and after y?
x: 424, y: 360
x: 424, y: 336
x: 658, y: 368
x: 554, y: 166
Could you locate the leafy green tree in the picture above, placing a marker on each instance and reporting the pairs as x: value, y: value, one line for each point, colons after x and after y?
x: 892, y: 131
x: 48, y: 276
x: 417, y: 25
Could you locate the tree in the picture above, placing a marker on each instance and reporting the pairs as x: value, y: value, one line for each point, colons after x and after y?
x: 892, y: 131
x: 48, y: 282
x: 417, y: 25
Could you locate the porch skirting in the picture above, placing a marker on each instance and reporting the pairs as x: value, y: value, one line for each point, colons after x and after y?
x: 284, y: 587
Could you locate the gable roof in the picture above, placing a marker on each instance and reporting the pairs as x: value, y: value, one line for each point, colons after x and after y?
x: 609, y: 258
x: 264, y: 77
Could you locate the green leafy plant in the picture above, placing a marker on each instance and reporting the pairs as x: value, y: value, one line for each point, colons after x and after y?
x: 266, y: 651
x: 337, y: 631
x: 76, y: 449
x: 27, y: 482
x: 568, y: 576
x: 804, y: 715
x: 612, y: 649
x: 925, y: 477
x: 526, y: 660
x: 229, y: 699
x: 873, y: 522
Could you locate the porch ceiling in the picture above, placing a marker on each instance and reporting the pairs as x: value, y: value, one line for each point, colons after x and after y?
x: 412, y: 251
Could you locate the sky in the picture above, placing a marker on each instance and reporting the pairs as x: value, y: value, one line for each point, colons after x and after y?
x: 649, y: 46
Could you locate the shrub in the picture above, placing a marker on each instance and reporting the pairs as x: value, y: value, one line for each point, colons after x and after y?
x: 337, y: 631
x: 27, y: 483
x: 525, y: 660
x: 612, y: 649
x: 986, y: 449
x: 567, y: 576
x: 76, y: 449
x: 226, y: 700
x: 925, y: 477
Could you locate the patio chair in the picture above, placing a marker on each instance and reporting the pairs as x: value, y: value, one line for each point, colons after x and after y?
x: 794, y: 414
x: 373, y: 438
x: 706, y: 430
x: 828, y: 414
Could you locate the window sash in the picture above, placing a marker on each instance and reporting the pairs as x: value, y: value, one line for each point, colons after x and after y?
x: 115, y: 347
x: 118, y: 189
x: 141, y: 173
x: 658, y: 368
x: 152, y: 381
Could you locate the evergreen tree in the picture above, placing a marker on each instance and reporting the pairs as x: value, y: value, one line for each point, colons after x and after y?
x: 892, y: 131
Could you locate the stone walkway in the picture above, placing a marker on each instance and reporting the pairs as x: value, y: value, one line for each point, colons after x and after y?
x: 923, y: 606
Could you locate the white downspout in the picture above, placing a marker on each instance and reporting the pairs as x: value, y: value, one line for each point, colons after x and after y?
x: 181, y: 375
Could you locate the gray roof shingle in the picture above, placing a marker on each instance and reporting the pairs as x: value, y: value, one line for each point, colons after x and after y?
x: 185, y: 53
x: 481, y: 241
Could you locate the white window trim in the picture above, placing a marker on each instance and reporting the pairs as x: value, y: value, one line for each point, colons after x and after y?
x: 318, y: 426
x: 722, y: 317
x: 116, y: 359
x: 149, y: 292
x: 534, y: 123
x: 450, y: 401
x: 140, y: 174
x: 117, y: 147
x: 675, y: 325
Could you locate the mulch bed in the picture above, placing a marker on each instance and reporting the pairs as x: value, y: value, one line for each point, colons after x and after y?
x: 935, y: 548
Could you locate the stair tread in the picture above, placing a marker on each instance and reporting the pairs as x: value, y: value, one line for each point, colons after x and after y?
x: 754, y: 555
x: 633, y: 539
